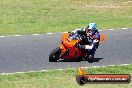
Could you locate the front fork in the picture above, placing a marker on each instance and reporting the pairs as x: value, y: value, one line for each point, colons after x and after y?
x: 63, y: 50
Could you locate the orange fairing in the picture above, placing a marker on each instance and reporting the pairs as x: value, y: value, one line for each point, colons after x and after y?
x: 102, y: 37
x: 63, y: 49
x: 81, y: 71
x: 68, y: 43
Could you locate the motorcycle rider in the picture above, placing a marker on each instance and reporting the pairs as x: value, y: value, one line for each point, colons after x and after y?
x: 90, y: 38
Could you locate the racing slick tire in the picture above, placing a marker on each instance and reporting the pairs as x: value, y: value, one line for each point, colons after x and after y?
x: 90, y: 58
x: 55, y: 55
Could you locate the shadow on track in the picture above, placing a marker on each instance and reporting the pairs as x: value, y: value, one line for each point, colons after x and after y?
x: 97, y: 59
x: 70, y: 60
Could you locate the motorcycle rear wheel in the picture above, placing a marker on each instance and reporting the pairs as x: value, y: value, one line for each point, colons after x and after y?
x: 55, y: 55
x: 90, y: 58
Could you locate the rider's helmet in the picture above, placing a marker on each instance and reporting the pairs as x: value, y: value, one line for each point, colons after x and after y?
x: 91, y: 28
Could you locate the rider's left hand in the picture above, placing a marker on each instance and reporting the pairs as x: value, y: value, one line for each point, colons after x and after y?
x: 80, y: 46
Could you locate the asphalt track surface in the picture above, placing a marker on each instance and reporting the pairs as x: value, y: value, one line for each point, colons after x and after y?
x: 30, y: 53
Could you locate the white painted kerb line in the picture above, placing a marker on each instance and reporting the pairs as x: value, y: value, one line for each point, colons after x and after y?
x: 125, y: 64
x: 111, y: 29
x: 35, y: 34
x: 61, y: 69
x: 64, y: 32
x: 53, y: 33
x: 100, y: 30
x: 49, y: 33
x: 111, y: 65
x: 2, y: 36
x: 123, y: 28
x: 17, y: 35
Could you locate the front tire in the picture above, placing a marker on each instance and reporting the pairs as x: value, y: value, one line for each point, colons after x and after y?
x: 55, y: 55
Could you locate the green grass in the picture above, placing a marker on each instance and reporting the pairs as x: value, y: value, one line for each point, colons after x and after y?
x: 61, y: 79
x: 41, y: 16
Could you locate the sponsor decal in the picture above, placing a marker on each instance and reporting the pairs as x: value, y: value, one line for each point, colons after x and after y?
x: 83, y: 78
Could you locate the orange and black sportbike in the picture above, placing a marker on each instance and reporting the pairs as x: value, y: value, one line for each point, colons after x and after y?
x: 68, y: 48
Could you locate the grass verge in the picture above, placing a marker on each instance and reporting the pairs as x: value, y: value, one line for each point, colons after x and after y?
x: 61, y: 79
x: 41, y: 16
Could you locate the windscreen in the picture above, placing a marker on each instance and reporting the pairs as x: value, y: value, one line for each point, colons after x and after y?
x: 73, y: 36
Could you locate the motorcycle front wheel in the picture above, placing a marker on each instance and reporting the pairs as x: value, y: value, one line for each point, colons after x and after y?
x: 55, y: 55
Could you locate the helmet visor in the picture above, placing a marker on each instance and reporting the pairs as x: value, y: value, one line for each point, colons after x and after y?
x: 88, y: 30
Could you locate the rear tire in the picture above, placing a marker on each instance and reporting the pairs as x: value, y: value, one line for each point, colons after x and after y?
x: 55, y: 55
x: 90, y: 58
x: 77, y: 59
